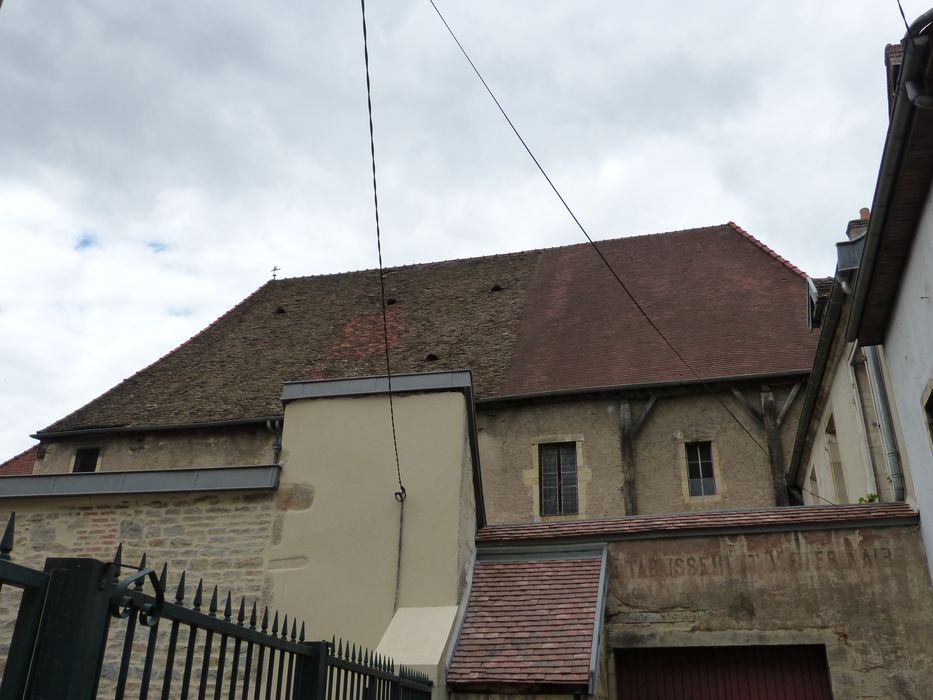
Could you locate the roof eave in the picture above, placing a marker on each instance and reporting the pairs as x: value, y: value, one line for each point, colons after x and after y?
x: 882, y: 234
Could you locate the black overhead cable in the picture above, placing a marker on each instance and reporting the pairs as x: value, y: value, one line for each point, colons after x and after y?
x: 400, y: 494
x: 587, y: 235
x: 903, y: 16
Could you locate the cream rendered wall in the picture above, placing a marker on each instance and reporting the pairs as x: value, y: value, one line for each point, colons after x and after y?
x: 908, y: 351
x: 842, y: 405
x: 335, y: 546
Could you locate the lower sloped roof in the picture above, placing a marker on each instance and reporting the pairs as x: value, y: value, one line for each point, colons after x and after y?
x: 530, y: 623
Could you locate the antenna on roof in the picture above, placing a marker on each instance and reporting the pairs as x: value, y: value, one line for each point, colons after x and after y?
x: 274, y: 269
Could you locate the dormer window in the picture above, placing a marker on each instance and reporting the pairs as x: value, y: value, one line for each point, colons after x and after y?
x: 86, y: 459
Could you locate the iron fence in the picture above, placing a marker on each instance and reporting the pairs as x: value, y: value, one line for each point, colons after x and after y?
x: 63, y: 644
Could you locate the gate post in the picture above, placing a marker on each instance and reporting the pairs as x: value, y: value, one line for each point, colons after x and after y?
x: 311, y: 673
x: 70, y: 648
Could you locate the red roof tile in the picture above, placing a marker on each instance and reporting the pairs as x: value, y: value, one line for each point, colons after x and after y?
x: 23, y: 463
x: 679, y: 524
x: 524, y: 323
x: 528, y: 623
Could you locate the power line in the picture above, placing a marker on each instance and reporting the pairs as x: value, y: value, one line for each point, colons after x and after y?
x: 903, y: 16
x: 602, y: 257
x: 400, y: 494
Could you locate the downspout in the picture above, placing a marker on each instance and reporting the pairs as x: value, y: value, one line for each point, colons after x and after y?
x: 891, y: 453
x: 274, y: 426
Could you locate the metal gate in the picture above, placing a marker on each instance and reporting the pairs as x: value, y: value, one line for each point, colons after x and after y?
x: 795, y: 672
x: 87, y: 629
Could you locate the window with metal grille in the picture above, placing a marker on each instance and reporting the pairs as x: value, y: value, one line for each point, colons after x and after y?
x: 558, y: 478
x: 700, y: 479
x: 86, y: 459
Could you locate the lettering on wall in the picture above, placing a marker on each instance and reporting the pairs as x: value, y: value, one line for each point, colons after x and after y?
x: 733, y: 561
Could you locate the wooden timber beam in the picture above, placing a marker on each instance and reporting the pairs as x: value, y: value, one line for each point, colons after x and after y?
x: 629, y: 428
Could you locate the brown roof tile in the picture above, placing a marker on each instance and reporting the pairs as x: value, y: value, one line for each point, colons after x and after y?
x: 556, y: 322
x: 21, y: 464
x: 678, y: 524
x: 528, y: 623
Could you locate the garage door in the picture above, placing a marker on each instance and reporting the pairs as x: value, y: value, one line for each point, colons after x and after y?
x: 723, y: 673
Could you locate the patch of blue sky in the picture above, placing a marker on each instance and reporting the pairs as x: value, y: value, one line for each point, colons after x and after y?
x: 157, y: 246
x: 87, y: 239
x: 179, y: 311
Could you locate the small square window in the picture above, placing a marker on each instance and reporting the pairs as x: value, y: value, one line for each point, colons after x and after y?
x: 700, y: 478
x: 558, y: 478
x: 86, y: 459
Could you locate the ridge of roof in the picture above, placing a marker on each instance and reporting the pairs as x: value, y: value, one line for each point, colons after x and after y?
x: 178, y: 347
x: 770, y: 251
x: 515, y: 253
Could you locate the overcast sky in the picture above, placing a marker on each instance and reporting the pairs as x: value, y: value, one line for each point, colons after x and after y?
x: 158, y: 159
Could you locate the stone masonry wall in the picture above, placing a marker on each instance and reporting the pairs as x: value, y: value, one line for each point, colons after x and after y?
x: 862, y: 593
x: 220, y: 537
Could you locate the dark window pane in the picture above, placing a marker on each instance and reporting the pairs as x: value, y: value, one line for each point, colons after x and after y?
x: 706, y: 470
x: 693, y: 470
x: 696, y: 488
x: 86, y: 459
x: 709, y: 487
x: 548, y: 480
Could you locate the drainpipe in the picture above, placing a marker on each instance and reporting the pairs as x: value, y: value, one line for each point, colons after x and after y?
x: 274, y: 426
x: 892, y: 456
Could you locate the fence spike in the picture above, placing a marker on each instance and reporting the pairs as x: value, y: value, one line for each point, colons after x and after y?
x: 301, y: 636
x: 228, y: 607
x: 142, y: 565
x: 180, y: 592
x: 252, y: 617
x: 240, y: 616
x: 353, y: 654
x: 118, y: 560
x: 285, y: 627
x: 275, y: 623
x: 163, y: 577
x: 265, y: 619
x: 340, y: 648
x: 212, y: 607
x: 294, y: 630
x: 6, y: 543
x: 198, y: 595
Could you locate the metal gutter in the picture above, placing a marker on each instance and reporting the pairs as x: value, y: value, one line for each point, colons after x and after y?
x: 379, y: 384
x: 598, y: 620
x: 106, y: 430
x: 714, y: 531
x: 258, y: 478
x: 616, y: 388
x: 828, y: 329
x: 891, y: 160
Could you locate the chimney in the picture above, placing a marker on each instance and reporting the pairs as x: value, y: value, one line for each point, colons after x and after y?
x: 857, y: 227
x: 893, y: 56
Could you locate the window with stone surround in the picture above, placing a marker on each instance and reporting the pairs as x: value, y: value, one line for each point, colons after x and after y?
x: 701, y: 480
x: 557, y: 463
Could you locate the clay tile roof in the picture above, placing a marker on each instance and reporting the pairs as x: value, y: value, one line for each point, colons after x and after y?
x: 682, y: 524
x: 528, y: 623
x: 22, y: 463
x: 524, y: 323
